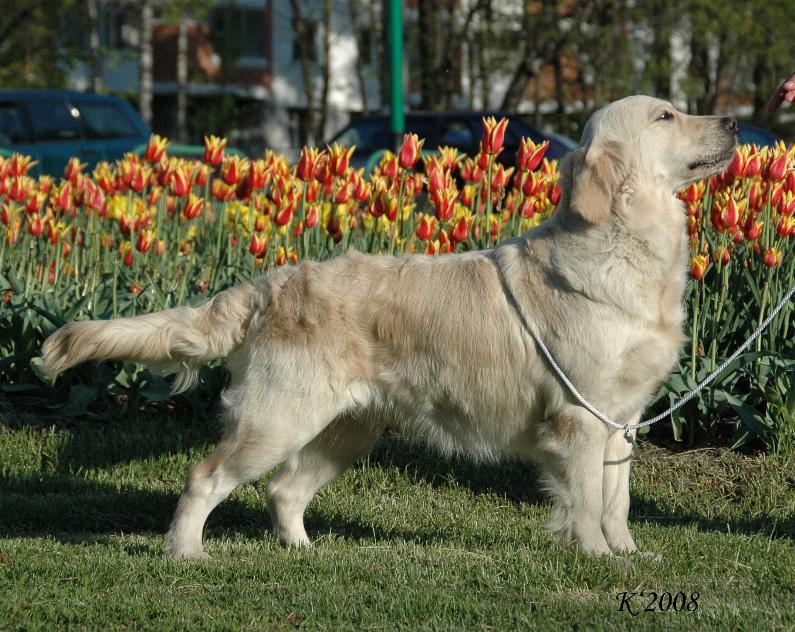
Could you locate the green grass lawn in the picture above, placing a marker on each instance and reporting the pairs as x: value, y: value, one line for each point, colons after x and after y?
x: 405, y: 540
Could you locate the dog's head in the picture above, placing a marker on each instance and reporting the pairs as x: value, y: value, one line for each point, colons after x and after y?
x: 649, y: 140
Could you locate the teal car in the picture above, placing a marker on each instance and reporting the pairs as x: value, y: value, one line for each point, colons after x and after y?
x: 54, y: 125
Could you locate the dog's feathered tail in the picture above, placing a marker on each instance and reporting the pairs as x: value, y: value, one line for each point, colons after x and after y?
x: 180, y: 339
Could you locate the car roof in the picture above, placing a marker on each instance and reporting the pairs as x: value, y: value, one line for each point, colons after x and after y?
x: 29, y: 94
x: 446, y: 114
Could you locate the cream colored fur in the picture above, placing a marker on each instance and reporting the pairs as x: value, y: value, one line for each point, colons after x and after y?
x: 324, y: 355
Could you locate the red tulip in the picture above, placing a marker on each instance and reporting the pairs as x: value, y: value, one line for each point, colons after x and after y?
x: 460, y: 232
x: 410, y: 150
x: 772, y: 257
x: 493, y: 135
x: 214, y: 150
x: 193, y: 207
x: 425, y: 228
x: 155, y: 149
x: 530, y: 155
x: 698, y: 266
x: 258, y: 245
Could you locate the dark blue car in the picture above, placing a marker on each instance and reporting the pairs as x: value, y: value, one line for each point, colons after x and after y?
x: 54, y: 125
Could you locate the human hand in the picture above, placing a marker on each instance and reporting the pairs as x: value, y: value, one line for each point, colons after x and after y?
x: 785, y: 92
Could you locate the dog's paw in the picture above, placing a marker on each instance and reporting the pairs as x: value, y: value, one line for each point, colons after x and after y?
x: 200, y: 556
x: 176, y: 552
x: 297, y: 541
x: 647, y: 555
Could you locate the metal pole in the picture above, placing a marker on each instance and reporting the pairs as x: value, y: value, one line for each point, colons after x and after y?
x: 396, y: 96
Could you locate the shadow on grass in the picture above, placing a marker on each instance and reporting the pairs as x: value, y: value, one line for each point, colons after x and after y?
x: 649, y: 511
x: 69, y: 507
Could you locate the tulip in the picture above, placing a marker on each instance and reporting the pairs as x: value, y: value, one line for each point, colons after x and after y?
x: 449, y: 157
x: 182, y: 180
x: 753, y: 229
x: 201, y: 174
x: 425, y: 228
x: 63, y: 200
x: 285, y: 214
x: 35, y: 226
x: 754, y: 165
x: 338, y: 158
x: 410, y: 150
x: 785, y: 226
x: 530, y: 155
x: 344, y: 194
x: 772, y: 257
x: 45, y: 183
x: 698, y: 266
x: 155, y: 149
x: 722, y: 255
x: 193, y: 207
x: 777, y: 166
x: 444, y: 204
x: 214, y: 150
x: 382, y: 203
x: 460, y: 232
x: 500, y: 177
x: 786, y: 203
x: 470, y: 171
x: 35, y: 202
x: 554, y: 194
x: 144, y: 241
x: 19, y: 164
x: 74, y: 168
x: 737, y: 165
x: 258, y: 175
x: 312, y: 215
x: 467, y: 195
x: 19, y: 190
x: 307, y: 163
x: 730, y: 214
x: 258, y: 245
x: 232, y: 169
x: 493, y: 135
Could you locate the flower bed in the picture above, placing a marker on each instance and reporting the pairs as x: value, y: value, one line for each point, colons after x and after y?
x: 153, y: 232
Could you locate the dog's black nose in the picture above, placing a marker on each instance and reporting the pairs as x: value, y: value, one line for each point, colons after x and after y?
x: 729, y: 123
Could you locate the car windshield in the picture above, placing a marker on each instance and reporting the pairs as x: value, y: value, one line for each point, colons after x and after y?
x: 367, y: 135
x: 106, y: 120
x: 52, y: 120
x: 12, y: 126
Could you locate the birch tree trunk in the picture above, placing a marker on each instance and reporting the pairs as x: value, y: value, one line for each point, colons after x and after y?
x: 145, y: 63
x: 182, y: 81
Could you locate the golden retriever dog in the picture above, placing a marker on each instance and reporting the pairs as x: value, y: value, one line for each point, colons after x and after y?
x: 323, y: 356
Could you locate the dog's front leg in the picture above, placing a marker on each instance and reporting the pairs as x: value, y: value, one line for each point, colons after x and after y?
x: 574, y: 475
x: 615, y: 493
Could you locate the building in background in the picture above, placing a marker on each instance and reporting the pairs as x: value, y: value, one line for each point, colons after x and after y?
x: 244, y: 63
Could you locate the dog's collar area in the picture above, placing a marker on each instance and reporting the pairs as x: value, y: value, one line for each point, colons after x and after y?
x: 628, y: 428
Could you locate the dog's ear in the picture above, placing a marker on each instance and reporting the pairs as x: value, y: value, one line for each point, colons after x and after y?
x: 594, y: 176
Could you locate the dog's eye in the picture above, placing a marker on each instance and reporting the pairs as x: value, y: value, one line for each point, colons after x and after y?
x: 665, y: 116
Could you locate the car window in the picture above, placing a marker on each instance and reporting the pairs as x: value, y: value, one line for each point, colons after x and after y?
x: 106, y: 120
x: 458, y: 134
x: 13, y: 128
x: 52, y: 120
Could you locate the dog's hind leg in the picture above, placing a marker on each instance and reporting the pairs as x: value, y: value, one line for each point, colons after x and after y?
x: 318, y: 463
x: 615, y: 493
x: 261, y: 433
